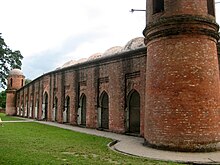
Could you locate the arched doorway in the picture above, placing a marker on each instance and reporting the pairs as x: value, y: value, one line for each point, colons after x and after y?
x: 55, y: 109
x: 22, y: 108
x: 26, y: 108
x: 66, y: 111
x: 36, y: 109
x: 81, y: 116
x: 134, y: 112
x: 45, y: 107
x: 30, y: 110
x: 104, y: 114
x: 18, y: 111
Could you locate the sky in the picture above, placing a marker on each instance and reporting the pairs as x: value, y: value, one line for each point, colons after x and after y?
x: 51, y: 32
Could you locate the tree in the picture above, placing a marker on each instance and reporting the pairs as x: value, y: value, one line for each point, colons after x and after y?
x: 8, y: 60
x: 3, y: 99
x: 27, y: 81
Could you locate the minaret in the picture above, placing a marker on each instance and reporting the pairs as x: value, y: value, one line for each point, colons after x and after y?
x: 182, y: 80
x: 15, y: 82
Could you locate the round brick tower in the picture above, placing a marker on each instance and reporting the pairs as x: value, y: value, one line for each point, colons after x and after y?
x: 182, y: 81
x: 15, y: 82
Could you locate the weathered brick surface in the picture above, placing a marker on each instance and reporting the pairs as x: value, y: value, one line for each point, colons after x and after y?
x: 176, y: 77
x: 117, y: 76
x: 178, y: 7
x: 182, y: 92
x: 15, y: 82
x: 70, y: 92
x: 10, y: 103
x: 182, y: 79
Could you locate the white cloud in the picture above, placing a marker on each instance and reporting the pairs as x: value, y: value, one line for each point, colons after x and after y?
x: 50, y: 32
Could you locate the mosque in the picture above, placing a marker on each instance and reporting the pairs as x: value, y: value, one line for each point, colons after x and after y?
x: 163, y: 87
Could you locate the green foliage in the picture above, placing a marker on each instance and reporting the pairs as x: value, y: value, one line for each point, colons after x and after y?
x: 8, y: 60
x: 3, y: 99
x: 27, y: 81
x: 34, y: 143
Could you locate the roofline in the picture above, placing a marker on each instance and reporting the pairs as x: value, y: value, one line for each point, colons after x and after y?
x: 90, y: 63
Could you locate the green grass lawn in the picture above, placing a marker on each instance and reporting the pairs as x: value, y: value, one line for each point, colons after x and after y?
x: 8, y: 118
x: 34, y: 143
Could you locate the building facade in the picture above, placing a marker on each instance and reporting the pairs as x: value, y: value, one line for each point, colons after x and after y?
x: 166, y: 91
x: 104, y: 92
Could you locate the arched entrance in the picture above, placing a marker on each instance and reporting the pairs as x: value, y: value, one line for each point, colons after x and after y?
x: 66, y: 111
x: 22, y: 108
x: 18, y: 111
x: 55, y: 109
x: 81, y: 116
x: 104, y: 114
x: 26, y: 108
x: 133, y: 112
x: 36, y: 109
x: 45, y: 107
x: 30, y: 110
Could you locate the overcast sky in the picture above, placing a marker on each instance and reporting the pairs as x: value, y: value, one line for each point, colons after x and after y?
x: 51, y: 32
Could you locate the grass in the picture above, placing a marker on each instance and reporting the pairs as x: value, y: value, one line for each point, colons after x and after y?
x: 34, y: 143
x: 8, y: 118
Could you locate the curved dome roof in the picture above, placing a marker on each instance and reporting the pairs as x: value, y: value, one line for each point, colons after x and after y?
x: 131, y: 45
x: 81, y: 60
x: 134, y: 44
x: 112, y: 50
x: 94, y: 56
x: 16, y: 72
x: 69, y: 63
x: 72, y: 62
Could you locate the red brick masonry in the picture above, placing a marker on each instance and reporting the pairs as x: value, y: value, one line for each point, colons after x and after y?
x: 167, y: 92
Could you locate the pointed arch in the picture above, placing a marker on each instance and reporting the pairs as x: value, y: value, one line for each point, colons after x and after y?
x: 55, y: 108
x: 31, y: 107
x: 26, y: 107
x: 81, y: 115
x: 22, y: 106
x: 45, y: 106
x: 66, y: 112
x: 103, y: 113
x: 133, y: 112
x: 36, y: 113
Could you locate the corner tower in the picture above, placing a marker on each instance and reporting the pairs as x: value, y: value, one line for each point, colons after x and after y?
x: 15, y: 82
x: 182, y: 82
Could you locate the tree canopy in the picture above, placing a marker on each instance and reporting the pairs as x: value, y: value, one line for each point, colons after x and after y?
x: 27, y: 81
x: 9, y: 59
x: 2, y: 99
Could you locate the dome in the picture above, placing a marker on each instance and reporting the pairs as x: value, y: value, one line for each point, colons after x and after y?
x: 81, y: 60
x: 112, y: 50
x: 72, y: 62
x: 16, y: 72
x: 69, y: 63
x: 134, y: 44
x: 94, y: 56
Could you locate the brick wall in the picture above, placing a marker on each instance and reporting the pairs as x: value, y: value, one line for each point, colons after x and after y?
x: 182, y: 77
x: 178, y: 82
x: 116, y: 75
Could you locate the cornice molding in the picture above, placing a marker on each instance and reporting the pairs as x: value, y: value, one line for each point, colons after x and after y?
x: 181, y: 24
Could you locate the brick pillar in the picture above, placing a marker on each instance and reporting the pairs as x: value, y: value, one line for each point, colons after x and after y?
x: 91, y: 119
x: 182, y: 79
